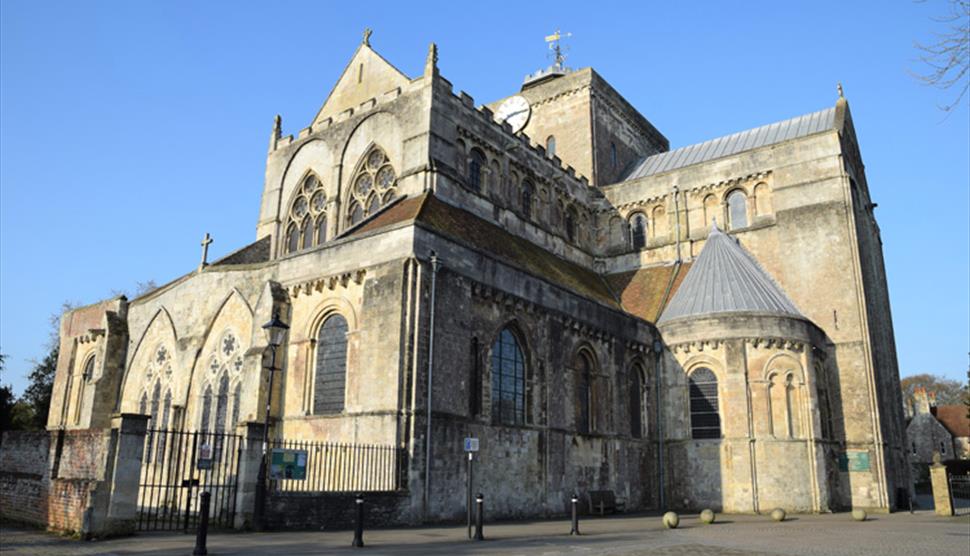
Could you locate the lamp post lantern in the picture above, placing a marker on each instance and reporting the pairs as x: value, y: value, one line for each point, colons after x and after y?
x: 275, y: 331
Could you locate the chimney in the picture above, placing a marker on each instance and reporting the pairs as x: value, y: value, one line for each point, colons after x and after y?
x: 921, y: 401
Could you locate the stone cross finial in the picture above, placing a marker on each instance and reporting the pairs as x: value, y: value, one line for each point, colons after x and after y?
x: 367, y: 34
x: 205, y: 250
x: 839, y: 86
x: 278, y: 126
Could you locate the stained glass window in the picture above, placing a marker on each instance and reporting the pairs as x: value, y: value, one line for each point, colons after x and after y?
x: 508, y: 380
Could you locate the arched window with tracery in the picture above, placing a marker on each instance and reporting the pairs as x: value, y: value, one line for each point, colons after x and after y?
x: 476, y: 169
x: 153, y: 423
x: 373, y: 186
x: 308, y: 210
x: 330, y: 376
x: 638, y: 230
x: 737, y: 205
x: 508, y: 380
x: 705, y: 418
x: 583, y: 403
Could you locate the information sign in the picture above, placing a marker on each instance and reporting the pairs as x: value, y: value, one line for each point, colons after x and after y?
x: 471, y: 444
x: 288, y: 464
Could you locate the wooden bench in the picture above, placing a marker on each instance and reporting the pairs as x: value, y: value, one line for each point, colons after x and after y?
x: 602, y: 501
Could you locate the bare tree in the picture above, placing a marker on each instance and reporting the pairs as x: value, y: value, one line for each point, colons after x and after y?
x: 947, y: 59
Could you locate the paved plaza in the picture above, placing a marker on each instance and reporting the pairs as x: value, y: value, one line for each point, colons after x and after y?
x: 901, y: 533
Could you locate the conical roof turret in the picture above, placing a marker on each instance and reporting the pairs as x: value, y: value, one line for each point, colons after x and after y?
x: 725, y: 278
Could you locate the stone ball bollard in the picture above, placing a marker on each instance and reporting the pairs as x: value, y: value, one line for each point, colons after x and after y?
x: 671, y: 520
x: 859, y: 515
x: 707, y: 516
x: 778, y: 514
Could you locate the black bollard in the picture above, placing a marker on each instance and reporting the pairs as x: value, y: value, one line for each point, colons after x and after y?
x: 575, y: 529
x: 203, y: 529
x: 359, y: 528
x: 480, y: 516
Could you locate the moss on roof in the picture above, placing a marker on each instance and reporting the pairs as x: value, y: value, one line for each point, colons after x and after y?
x: 465, y: 228
x: 643, y: 292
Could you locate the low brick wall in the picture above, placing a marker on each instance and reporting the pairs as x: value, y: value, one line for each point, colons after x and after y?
x: 25, y: 476
x: 62, y: 502
x: 334, y: 510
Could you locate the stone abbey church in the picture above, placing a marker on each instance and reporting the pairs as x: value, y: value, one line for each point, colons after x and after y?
x: 705, y: 326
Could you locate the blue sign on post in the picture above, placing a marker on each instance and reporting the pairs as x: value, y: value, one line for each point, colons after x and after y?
x: 471, y: 444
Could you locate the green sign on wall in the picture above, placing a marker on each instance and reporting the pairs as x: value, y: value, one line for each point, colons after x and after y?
x: 854, y: 460
x: 288, y: 464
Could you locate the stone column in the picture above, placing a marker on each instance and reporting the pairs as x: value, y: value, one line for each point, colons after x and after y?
x: 128, y: 442
x: 249, y: 461
x: 941, y: 487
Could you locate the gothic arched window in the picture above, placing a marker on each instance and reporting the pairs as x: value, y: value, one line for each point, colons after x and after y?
x: 508, y: 380
x: 331, y: 366
x: 737, y: 204
x: 705, y: 420
x: 638, y: 230
x: 528, y: 192
x: 309, y: 205
x: 584, y: 393
x: 551, y: 146
x: 206, y: 408
x: 372, y: 186
x: 476, y: 168
x: 86, y: 375
x: 236, y: 399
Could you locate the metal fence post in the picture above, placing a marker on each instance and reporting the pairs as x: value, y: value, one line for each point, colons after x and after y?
x: 203, y: 530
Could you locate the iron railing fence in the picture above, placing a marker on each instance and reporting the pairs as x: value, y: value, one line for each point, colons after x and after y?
x: 339, y: 467
x: 960, y: 493
x: 171, y: 479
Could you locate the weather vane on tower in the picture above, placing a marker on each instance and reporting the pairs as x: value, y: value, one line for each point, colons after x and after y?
x: 558, y: 52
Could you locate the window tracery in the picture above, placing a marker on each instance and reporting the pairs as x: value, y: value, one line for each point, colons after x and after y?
x: 307, y: 217
x: 373, y: 186
x: 223, y: 371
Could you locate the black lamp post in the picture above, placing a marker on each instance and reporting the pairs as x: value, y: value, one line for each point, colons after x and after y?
x: 275, y: 332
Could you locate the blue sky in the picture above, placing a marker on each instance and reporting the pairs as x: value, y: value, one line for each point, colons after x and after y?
x: 129, y: 129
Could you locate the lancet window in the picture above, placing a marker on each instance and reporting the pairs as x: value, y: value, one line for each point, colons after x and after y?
x: 307, y: 221
x: 372, y: 186
x: 585, y: 409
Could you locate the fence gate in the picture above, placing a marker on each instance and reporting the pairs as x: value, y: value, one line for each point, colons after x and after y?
x: 175, y: 471
x: 960, y: 493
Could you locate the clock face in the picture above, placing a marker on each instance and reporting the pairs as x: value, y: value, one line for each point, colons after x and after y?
x: 516, y: 111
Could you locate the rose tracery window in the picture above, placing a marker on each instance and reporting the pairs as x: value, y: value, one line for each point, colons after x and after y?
x: 372, y: 186
x: 307, y: 222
